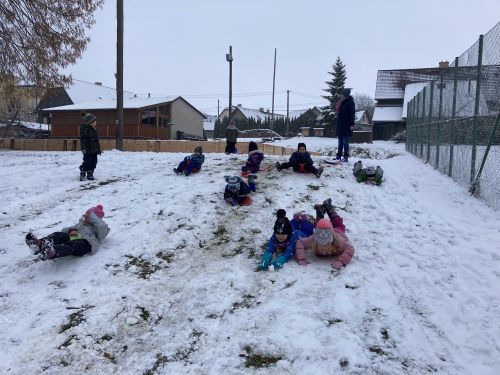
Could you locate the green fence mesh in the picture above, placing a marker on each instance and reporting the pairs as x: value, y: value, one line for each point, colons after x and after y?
x: 452, y: 123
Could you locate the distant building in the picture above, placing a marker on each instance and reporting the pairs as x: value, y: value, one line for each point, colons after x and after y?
x: 144, y: 118
x: 241, y: 113
x: 77, y: 92
x: 361, y: 121
x: 209, y: 126
x: 393, y: 91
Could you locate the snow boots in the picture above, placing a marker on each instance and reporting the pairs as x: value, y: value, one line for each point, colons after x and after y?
x: 44, y: 247
x: 251, y: 182
x: 319, y: 172
x: 86, y: 174
x: 346, y: 157
x: 33, y: 243
x: 358, y: 166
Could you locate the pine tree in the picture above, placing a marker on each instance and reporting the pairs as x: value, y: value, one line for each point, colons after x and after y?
x: 335, y: 86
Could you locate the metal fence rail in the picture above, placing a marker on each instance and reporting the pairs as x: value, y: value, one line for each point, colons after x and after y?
x: 453, y: 125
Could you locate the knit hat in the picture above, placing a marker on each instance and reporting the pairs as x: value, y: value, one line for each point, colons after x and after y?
x: 97, y: 210
x: 198, y: 149
x: 323, y: 234
x: 345, y: 92
x: 282, y: 224
x: 252, y: 146
x: 89, y: 118
x: 233, y: 183
x: 301, y: 145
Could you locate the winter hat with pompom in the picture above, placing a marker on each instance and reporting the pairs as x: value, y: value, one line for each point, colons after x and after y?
x: 323, y: 234
x: 282, y: 224
x: 97, y: 210
x: 233, y: 183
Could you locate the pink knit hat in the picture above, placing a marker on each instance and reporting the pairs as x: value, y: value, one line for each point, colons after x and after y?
x: 323, y: 234
x: 97, y: 210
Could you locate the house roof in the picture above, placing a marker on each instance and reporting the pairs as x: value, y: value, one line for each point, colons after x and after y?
x: 387, y: 114
x: 410, y: 91
x: 81, y: 92
x: 391, y: 84
x: 256, y: 114
x: 358, y: 115
x: 128, y: 103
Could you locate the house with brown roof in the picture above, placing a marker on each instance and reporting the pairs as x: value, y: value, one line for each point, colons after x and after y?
x: 144, y: 118
x: 393, y: 91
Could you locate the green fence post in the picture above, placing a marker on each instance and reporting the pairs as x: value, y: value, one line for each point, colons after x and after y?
x: 429, y: 124
x: 453, y: 115
x: 440, y: 112
x: 423, y: 122
x: 476, y: 110
x: 417, y: 125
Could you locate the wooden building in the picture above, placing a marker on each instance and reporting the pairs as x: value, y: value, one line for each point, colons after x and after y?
x: 143, y: 118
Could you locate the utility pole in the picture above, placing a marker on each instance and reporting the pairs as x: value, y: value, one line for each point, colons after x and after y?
x: 119, y: 74
x: 229, y: 58
x: 287, y: 112
x: 274, y: 78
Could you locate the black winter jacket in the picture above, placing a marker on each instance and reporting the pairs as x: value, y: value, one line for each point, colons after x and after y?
x: 345, y: 117
x: 89, y: 141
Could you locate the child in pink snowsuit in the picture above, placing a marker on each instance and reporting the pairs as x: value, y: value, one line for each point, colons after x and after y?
x: 328, y: 239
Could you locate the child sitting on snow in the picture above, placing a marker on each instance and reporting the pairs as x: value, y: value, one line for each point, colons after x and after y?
x: 237, y: 190
x: 301, y: 162
x: 370, y: 175
x: 80, y: 239
x: 192, y: 163
x: 255, y: 157
x: 328, y: 240
x: 282, y: 243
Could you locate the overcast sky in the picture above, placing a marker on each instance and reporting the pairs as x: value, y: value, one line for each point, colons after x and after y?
x: 178, y: 47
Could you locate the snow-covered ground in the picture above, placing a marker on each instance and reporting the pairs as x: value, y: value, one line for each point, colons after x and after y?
x: 173, y: 289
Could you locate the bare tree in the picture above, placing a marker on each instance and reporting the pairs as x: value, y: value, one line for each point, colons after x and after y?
x: 39, y: 37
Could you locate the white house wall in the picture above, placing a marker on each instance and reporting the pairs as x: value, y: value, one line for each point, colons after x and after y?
x: 186, y: 119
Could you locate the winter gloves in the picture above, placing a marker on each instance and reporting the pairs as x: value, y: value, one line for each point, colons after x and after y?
x: 266, y: 259
x: 279, y: 261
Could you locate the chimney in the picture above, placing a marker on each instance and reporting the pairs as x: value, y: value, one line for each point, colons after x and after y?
x: 444, y: 64
x: 98, y: 83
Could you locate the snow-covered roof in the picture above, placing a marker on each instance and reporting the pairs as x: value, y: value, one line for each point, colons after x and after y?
x: 31, y: 125
x: 358, y: 115
x: 256, y: 114
x: 410, y: 91
x: 209, y: 124
x: 391, y: 83
x: 387, y: 114
x: 128, y: 103
x: 82, y: 92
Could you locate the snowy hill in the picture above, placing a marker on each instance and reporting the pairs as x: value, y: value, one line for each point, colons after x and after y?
x: 173, y: 288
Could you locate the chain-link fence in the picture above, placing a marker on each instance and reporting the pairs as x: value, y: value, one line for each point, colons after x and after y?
x: 453, y: 123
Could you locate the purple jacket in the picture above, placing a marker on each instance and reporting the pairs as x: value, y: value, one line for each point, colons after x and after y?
x: 252, y: 165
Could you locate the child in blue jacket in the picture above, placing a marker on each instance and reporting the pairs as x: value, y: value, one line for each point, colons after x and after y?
x: 282, y: 243
x: 192, y: 163
x: 301, y: 162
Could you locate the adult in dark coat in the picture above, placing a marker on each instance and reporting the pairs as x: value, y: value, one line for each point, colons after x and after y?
x: 345, y: 122
x: 89, y: 143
